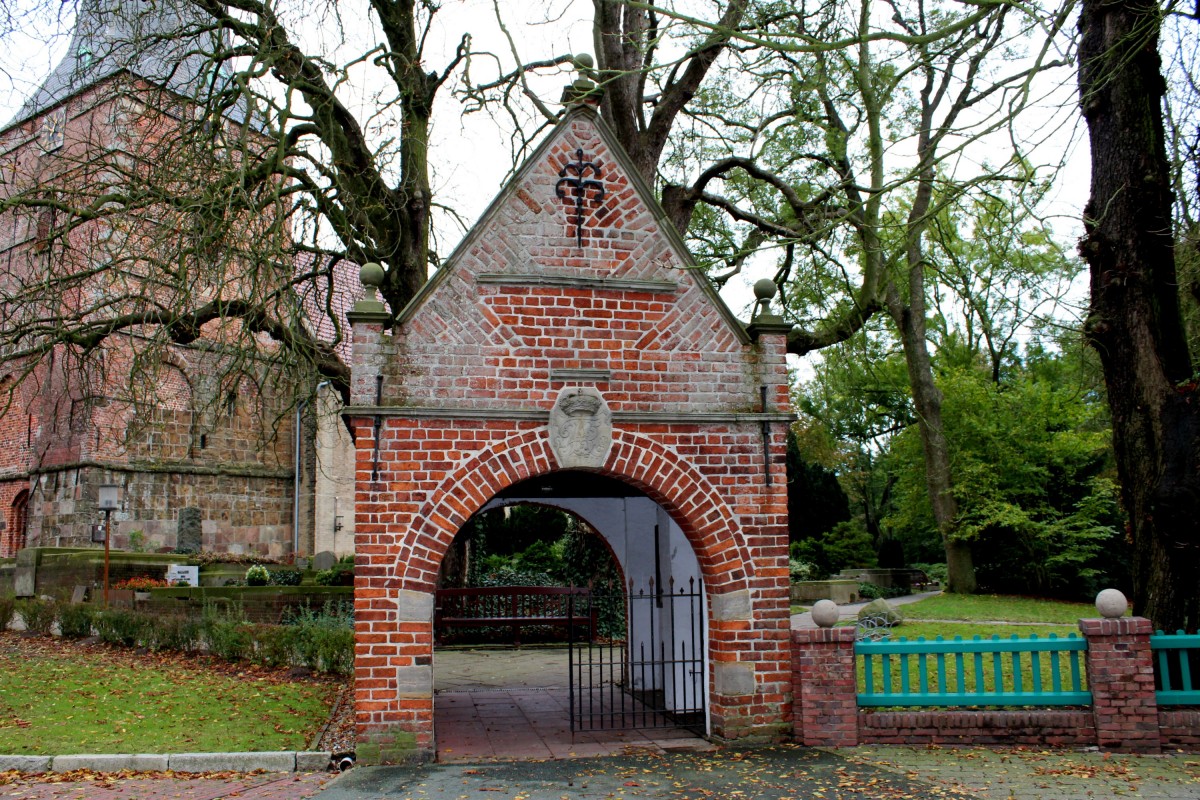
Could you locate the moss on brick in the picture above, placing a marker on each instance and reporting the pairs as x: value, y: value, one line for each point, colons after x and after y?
x: 393, y: 747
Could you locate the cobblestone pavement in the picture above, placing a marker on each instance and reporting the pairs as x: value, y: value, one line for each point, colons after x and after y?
x: 161, y: 786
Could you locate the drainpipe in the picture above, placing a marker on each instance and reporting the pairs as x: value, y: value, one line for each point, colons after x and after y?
x: 296, y: 472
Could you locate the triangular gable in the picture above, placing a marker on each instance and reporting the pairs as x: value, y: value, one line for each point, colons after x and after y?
x: 582, y: 120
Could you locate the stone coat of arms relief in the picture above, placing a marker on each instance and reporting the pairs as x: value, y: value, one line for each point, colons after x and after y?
x: 580, y: 428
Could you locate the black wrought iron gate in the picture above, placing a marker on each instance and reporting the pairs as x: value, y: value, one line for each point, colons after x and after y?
x: 645, y: 667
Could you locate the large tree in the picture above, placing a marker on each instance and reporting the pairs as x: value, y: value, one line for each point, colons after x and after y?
x: 1135, y: 321
x: 844, y: 131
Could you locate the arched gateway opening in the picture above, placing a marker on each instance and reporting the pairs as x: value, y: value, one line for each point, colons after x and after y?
x: 570, y: 353
x: 585, y: 632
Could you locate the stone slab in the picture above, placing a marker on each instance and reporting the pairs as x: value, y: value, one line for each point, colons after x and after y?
x: 25, y: 763
x: 313, y: 761
x: 233, y: 762
x: 111, y: 762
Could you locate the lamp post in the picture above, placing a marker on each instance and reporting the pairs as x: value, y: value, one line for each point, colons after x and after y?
x: 109, y: 498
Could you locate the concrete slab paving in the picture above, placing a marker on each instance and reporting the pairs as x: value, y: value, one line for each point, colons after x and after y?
x: 789, y: 772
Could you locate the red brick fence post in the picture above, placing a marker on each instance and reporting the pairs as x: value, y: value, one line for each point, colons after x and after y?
x: 824, y: 687
x: 1120, y: 671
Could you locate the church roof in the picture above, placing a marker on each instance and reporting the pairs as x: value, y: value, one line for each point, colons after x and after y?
x: 165, y: 42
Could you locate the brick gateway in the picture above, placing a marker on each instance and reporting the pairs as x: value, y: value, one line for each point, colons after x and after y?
x: 569, y: 351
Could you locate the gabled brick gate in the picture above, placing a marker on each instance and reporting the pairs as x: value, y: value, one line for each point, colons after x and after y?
x: 571, y: 332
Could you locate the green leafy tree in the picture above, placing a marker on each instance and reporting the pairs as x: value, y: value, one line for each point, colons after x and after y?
x: 1034, y: 483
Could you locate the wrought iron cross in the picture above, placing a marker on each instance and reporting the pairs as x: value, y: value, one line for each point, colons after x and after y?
x: 581, y: 185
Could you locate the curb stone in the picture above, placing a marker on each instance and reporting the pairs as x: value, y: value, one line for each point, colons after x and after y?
x: 110, y: 762
x: 25, y: 763
x: 283, y: 761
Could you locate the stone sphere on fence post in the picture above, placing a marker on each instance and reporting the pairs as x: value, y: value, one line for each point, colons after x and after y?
x: 1111, y: 604
x: 825, y: 613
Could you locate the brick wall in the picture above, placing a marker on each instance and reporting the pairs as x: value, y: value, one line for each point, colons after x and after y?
x: 1124, y: 715
x: 825, y: 709
x: 1121, y: 677
x: 1037, y: 728
x: 470, y: 374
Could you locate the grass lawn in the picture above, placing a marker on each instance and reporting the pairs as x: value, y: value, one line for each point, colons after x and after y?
x: 1005, y: 608
x: 912, y: 629
x: 67, y: 697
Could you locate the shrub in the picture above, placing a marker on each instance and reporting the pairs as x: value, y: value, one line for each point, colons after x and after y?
x: 8, y: 605
x: 801, y: 570
x: 274, y: 645
x: 75, y: 621
x: 257, y: 575
x: 285, y: 577
x: 173, y: 633
x: 340, y: 574
x: 872, y: 591
x: 323, y: 641
x: 39, y: 615
x: 120, y: 627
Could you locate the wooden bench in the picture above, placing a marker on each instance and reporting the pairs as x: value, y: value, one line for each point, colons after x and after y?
x: 513, y: 607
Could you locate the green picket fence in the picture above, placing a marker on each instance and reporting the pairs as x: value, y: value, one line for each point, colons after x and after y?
x: 1176, y: 668
x: 973, y: 672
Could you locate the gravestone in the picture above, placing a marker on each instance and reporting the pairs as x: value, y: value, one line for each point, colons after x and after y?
x: 323, y: 560
x: 189, y: 534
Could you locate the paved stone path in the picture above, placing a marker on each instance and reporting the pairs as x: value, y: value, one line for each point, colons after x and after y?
x: 792, y: 773
x: 785, y: 772
x: 163, y: 786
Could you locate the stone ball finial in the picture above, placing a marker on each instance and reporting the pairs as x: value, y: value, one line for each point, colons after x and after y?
x: 825, y: 613
x: 371, y: 275
x: 1111, y: 604
x: 583, y: 62
x: 765, y: 289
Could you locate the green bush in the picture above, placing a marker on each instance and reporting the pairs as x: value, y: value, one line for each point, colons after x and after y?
x: 274, y: 645
x: 8, y: 605
x: 257, y: 575
x: 228, y: 638
x: 75, y: 621
x: 285, y: 577
x: 39, y: 615
x: 120, y: 627
x: 872, y: 591
x: 340, y: 574
x: 172, y: 633
x: 324, y: 640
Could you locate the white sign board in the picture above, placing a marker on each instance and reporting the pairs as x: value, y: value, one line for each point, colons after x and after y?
x: 177, y: 574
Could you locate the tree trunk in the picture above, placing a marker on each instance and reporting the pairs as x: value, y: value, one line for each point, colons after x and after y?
x: 1134, y: 321
x: 927, y: 399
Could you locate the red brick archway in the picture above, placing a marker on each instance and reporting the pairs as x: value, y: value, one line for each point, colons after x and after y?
x: 454, y: 399
x: 643, y: 463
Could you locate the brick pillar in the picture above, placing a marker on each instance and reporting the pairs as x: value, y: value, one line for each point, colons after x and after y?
x: 1121, y: 676
x: 825, y: 711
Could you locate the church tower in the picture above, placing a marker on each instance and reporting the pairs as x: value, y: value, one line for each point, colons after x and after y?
x: 113, y: 229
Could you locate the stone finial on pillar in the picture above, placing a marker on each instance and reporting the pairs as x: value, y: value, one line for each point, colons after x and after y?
x: 584, y: 90
x: 369, y: 305
x: 764, y: 320
x: 368, y: 318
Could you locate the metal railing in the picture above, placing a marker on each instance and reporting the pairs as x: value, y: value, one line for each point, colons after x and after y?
x: 974, y: 672
x: 1176, y: 668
